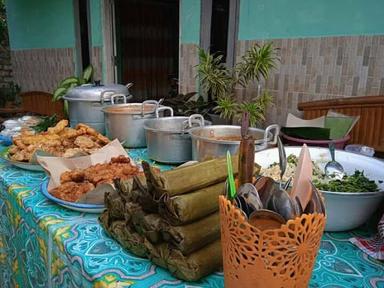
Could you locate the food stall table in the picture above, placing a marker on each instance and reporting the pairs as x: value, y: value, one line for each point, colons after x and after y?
x: 45, y: 245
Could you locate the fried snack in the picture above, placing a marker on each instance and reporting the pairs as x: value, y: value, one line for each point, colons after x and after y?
x: 60, y: 141
x: 59, y: 127
x: 81, y: 181
x: 72, y: 191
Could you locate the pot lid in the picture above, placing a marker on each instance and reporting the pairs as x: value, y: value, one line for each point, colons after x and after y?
x: 92, y: 92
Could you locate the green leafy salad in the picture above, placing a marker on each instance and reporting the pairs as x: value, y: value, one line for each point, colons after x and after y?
x: 356, y: 182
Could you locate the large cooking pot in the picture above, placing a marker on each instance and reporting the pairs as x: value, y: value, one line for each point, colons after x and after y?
x: 168, y: 140
x: 86, y: 101
x: 214, y: 141
x: 126, y: 121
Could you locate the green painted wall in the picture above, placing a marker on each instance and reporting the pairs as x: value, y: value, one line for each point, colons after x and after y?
x: 40, y: 24
x: 309, y: 18
x: 96, y: 30
x: 190, y: 11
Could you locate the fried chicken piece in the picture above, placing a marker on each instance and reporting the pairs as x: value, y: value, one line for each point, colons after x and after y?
x: 34, y: 139
x: 31, y: 148
x: 84, y: 142
x: 120, y: 168
x: 58, y: 140
x: 58, y: 127
x: 120, y: 159
x: 72, y: 191
x: 53, y: 150
x: 70, y: 133
x: 18, y: 156
x: 18, y: 141
x: 72, y: 176
x: 21, y: 156
x: 90, y: 131
x: 68, y: 143
x: 73, y: 152
x: 102, y: 139
x: 77, y: 182
x: 91, y: 150
x: 13, y: 149
x: 52, y: 142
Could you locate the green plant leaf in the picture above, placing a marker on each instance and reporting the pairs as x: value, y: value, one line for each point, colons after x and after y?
x: 219, y: 81
x: 227, y: 107
x: 59, y: 93
x: 45, y: 123
x: 66, y: 113
x: 214, y: 77
x: 82, y: 81
x: 69, y: 81
x: 88, y: 74
x: 256, y: 63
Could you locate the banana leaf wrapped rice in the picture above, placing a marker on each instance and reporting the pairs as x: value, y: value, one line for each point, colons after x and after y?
x: 186, y: 179
x: 171, y: 217
x: 186, y: 208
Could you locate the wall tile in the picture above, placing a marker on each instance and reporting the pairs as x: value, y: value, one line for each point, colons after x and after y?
x: 325, y: 68
x: 33, y: 69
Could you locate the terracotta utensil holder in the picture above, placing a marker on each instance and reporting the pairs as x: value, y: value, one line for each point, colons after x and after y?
x: 282, y: 257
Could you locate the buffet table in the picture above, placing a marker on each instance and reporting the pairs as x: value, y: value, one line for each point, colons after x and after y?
x: 45, y: 245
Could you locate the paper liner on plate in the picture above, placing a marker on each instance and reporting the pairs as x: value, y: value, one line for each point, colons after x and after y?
x: 281, y: 257
x: 55, y: 166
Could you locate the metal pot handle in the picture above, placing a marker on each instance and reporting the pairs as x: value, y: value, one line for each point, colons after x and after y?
x: 118, y: 96
x: 103, y: 95
x: 148, y: 102
x: 163, y: 108
x: 270, y: 128
x: 129, y: 85
x: 196, y: 118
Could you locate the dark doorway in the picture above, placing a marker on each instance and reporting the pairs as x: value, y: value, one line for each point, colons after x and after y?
x: 147, y: 42
x: 219, y: 27
x: 84, y: 37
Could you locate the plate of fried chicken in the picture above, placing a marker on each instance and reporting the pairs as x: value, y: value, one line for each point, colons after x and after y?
x: 83, y: 189
x: 58, y: 141
x: 80, y: 207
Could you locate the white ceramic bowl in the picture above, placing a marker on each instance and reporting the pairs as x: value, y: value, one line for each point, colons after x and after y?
x: 344, y: 210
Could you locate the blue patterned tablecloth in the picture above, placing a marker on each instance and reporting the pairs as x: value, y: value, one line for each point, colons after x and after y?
x: 45, y: 245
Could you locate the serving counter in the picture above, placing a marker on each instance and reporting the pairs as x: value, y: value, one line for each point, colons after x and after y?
x: 45, y: 245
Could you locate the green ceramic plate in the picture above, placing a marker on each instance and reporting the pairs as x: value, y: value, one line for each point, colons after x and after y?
x: 22, y: 165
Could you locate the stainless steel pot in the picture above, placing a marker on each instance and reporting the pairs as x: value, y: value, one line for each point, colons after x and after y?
x: 214, y: 141
x: 126, y: 121
x: 85, y: 103
x: 168, y: 140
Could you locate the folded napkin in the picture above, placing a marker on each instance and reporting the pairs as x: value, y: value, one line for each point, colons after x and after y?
x: 374, y: 246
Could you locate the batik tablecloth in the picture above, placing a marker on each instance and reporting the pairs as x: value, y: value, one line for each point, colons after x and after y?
x: 45, y: 245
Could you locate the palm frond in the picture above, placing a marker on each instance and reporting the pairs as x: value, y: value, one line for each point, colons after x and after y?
x: 256, y: 63
x: 214, y: 76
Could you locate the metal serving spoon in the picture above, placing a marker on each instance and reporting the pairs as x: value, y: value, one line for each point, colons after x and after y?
x: 282, y: 159
x: 333, y: 168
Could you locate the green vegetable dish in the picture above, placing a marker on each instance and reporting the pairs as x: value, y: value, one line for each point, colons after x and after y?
x: 356, y: 182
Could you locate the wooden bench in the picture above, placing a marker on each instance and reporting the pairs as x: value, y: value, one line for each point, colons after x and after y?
x: 370, y: 128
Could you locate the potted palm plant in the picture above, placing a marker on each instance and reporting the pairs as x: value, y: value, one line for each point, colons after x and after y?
x: 219, y: 83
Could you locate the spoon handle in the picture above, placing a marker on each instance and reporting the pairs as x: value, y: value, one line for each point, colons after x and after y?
x: 282, y: 158
x: 332, y: 151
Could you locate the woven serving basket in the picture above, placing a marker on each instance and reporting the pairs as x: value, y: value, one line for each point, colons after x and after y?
x: 281, y: 257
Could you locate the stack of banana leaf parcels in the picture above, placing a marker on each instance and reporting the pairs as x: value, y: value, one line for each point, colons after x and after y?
x: 171, y: 217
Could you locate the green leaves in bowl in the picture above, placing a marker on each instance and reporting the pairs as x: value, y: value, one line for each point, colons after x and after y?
x: 356, y: 182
